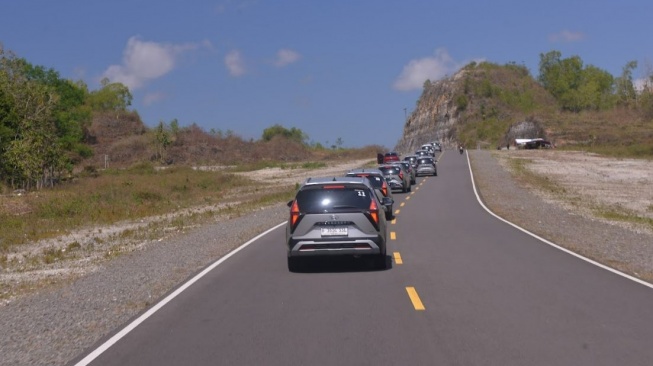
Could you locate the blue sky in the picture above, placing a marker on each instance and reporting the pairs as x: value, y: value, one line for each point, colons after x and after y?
x: 331, y: 68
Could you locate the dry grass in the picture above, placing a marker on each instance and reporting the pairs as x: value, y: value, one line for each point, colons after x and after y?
x: 113, y: 196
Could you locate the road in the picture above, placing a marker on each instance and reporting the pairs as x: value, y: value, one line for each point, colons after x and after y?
x: 463, y: 288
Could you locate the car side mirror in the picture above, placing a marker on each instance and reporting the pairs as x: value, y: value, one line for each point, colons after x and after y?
x: 289, y: 203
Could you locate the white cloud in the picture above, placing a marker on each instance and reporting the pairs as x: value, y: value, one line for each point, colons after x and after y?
x: 643, y: 84
x: 151, y: 98
x: 235, y: 63
x: 566, y: 36
x: 286, y: 57
x: 143, y: 61
x: 417, y: 71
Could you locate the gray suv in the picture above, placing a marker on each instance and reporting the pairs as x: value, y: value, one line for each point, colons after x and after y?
x: 397, y: 177
x: 338, y: 216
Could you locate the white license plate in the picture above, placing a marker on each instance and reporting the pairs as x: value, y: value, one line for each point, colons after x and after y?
x: 333, y: 231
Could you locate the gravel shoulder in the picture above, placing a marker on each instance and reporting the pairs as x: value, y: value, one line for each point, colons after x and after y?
x: 567, y: 216
x: 53, y: 325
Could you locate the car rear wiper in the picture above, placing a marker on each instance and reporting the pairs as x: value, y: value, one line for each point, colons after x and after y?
x: 344, y: 206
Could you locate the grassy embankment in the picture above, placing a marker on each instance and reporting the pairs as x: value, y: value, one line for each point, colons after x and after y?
x: 177, y: 196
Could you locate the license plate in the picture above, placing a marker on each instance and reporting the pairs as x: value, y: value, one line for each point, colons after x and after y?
x: 333, y: 231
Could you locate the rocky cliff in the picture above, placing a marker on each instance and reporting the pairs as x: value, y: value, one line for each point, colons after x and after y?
x: 484, y: 105
x: 435, y: 117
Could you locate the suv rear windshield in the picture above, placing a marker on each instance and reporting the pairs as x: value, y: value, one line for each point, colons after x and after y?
x: 319, y: 199
x: 390, y: 170
x: 375, y: 180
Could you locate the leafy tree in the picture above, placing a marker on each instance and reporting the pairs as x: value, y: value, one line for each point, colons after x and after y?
x: 277, y: 130
x: 162, y: 140
x: 112, y: 97
x: 626, y: 94
x: 71, y: 114
x: 30, y: 153
x: 574, y: 86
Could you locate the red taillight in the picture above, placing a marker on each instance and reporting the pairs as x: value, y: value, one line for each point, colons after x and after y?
x: 401, y: 175
x: 294, y: 214
x: 374, y: 212
x: 384, y: 189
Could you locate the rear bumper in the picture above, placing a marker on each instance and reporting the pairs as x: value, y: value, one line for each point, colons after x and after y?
x: 426, y: 171
x: 330, y: 247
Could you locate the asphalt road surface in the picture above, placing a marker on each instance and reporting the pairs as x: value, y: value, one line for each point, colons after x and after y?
x: 462, y: 288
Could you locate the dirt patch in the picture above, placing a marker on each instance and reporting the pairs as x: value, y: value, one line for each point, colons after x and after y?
x: 616, y: 190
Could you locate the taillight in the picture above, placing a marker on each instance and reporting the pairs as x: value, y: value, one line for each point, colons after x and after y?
x: 384, y: 189
x: 374, y: 212
x: 401, y: 175
x: 294, y: 215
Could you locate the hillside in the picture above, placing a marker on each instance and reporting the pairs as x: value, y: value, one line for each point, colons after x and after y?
x: 489, y: 105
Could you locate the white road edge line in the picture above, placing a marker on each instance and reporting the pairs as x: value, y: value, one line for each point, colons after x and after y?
x: 113, y: 340
x: 478, y: 198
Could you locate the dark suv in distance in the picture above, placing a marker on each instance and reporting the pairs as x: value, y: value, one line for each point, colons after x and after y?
x: 377, y: 180
x: 339, y: 216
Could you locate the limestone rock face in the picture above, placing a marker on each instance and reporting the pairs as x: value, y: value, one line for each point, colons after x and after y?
x: 434, y: 118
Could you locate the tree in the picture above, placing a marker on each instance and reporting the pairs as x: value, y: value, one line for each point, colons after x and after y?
x: 30, y: 154
x: 294, y: 133
x: 112, y: 97
x: 162, y: 140
x: 574, y: 86
x: 625, y: 92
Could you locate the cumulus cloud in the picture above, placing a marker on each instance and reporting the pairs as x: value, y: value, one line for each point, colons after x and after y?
x: 286, y: 57
x: 143, y: 61
x: 417, y: 71
x: 151, y: 98
x: 566, y: 36
x: 235, y: 63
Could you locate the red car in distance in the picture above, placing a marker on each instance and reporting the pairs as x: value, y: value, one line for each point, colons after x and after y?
x: 390, y: 157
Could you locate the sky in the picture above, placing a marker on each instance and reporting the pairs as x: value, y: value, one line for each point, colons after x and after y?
x: 339, y: 69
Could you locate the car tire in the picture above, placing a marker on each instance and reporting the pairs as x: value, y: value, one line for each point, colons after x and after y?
x: 435, y: 174
x: 295, y: 264
x: 410, y: 188
x: 404, y: 189
x: 380, y: 262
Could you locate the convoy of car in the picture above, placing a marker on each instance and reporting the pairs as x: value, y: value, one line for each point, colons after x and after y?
x: 348, y: 215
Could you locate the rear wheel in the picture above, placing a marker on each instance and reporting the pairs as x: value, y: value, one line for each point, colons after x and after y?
x: 381, y: 262
x: 294, y: 264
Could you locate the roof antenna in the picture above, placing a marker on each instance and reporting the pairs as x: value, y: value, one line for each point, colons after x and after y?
x: 334, y: 179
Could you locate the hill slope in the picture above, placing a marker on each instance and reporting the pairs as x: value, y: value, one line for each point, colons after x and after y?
x: 489, y: 105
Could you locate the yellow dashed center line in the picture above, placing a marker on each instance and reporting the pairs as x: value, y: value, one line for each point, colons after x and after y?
x: 407, y: 198
x: 394, y: 221
x: 397, y: 212
x: 417, y: 188
x: 402, y: 204
x: 393, y: 235
x: 414, y: 298
x: 397, y: 257
x: 412, y: 193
